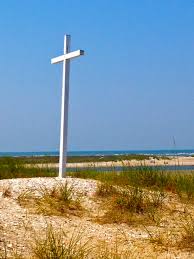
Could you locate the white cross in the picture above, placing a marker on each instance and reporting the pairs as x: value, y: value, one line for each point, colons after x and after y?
x: 65, y: 58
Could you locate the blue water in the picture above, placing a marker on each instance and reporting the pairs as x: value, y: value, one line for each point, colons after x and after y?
x: 177, y: 152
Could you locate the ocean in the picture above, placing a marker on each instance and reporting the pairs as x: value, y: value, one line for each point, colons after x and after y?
x: 167, y: 152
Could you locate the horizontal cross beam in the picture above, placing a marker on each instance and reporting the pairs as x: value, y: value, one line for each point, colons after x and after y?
x: 70, y: 55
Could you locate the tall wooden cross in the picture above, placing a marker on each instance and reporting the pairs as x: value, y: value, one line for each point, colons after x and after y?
x: 65, y: 58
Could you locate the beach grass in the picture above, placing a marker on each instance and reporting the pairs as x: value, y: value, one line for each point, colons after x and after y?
x: 137, y: 196
x: 13, y: 168
x: 57, y: 245
x: 59, y: 200
x: 80, y: 159
x: 129, y: 204
x: 179, y: 182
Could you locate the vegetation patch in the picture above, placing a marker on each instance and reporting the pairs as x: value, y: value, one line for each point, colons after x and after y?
x: 59, y: 200
x: 105, y: 189
x: 181, y: 183
x: 187, y: 234
x: 79, y: 159
x: 129, y: 204
x: 58, y: 245
x: 7, y: 193
x: 15, y: 168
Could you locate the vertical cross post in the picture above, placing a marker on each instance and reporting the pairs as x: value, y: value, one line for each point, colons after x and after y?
x: 65, y: 58
x: 64, y: 109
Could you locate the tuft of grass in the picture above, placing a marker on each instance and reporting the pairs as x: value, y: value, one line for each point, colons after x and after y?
x: 58, y: 200
x: 136, y: 200
x: 185, y: 186
x: 187, y: 236
x: 59, y: 246
x: 105, y: 189
x: 7, y: 192
x: 56, y: 245
x: 164, y: 239
x: 128, y: 205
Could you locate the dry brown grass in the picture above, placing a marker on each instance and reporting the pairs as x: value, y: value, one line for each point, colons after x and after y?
x: 129, y: 205
x: 175, y: 238
x: 105, y: 189
x: 59, y: 200
x: 59, y: 246
x: 187, y: 234
x: 7, y: 192
x: 55, y: 244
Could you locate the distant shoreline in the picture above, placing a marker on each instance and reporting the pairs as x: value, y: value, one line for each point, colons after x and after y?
x: 169, y: 161
x: 159, y: 152
x: 108, y: 161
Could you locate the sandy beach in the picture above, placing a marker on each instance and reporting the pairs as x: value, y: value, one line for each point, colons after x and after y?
x: 169, y: 161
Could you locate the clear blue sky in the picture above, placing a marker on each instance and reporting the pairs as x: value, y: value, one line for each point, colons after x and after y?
x: 134, y: 88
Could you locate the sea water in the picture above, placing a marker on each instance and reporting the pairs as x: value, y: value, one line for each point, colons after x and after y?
x: 167, y: 152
